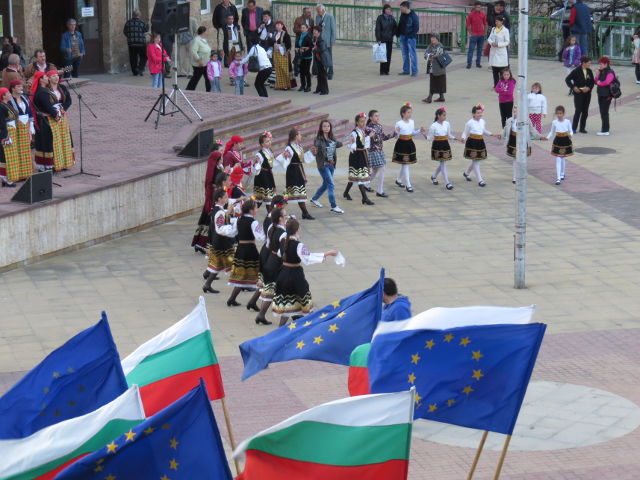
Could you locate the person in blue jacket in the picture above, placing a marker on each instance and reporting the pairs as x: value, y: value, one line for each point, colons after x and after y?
x: 396, y: 306
x: 580, y: 25
x: 72, y: 47
x: 408, y: 27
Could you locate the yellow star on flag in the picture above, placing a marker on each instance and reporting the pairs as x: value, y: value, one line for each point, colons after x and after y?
x: 318, y: 340
x: 341, y: 314
x: 307, y: 323
x: 333, y: 328
x: 164, y: 477
x: 173, y: 443
x: 467, y: 390
x: 336, y: 304
x: 418, y: 398
x: 56, y: 375
x: 450, y: 402
x: 81, y: 388
x: 430, y: 344
x: 300, y: 345
x: 324, y: 315
x: 130, y: 435
x: 173, y: 465
x: 477, y: 374
x: 70, y: 369
x: 448, y: 337
x: 99, y: 468
x: 99, y: 461
x: 415, y: 358
x: 166, y: 426
x: 149, y: 430
x: 111, y: 447
x: 292, y: 325
x: 46, y: 390
x: 465, y: 341
x: 433, y: 408
x: 72, y: 403
x: 110, y: 477
x: 476, y: 355
x: 412, y: 378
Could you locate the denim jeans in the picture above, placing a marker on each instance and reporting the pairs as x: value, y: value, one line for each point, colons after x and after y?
x: 583, y: 41
x: 409, y: 55
x: 327, y: 184
x: 239, y: 83
x: 215, y: 85
x: 477, y: 43
x: 156, y: 80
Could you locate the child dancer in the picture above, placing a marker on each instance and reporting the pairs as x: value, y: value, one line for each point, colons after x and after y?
x: 404, y: 151
x: 474, y: 148
x: 199, y: 241
x: 214, y: 71
x: 376, y: 154
x: 440, y: 133
x: 222, y: 232
x: 537, y: 106
x: 246, y: 260
x: 358, y: 163
x: 264, y: 186
x: 292, y: 298
x: 505, y: 88
x: 296, y: 179
x: 562, y: 148
x: 510, y: 138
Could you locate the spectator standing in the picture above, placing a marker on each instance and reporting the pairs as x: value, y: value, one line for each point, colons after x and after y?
x: 232, y: 41
x: 219, y: 20
x: 214, y: 71
x: 40, y: 64
x: 581, y: 81
x: 580, y: 25
x: 13, y: 42
x: 304, y: 19
x: 264, y: 65
x: 498, y: 8
x: 386, y: 29
x: 7, y: 50
x: 636, y: 55
x: 135, y: 30
x: 604, y: 77
x: 266, y: 29
x: 320, y: 56
x: 408, y: 27
x: 477, y: 28
x: 157, y: 55
x: 325, y: 20
x: 72, y: 47
x: 237, y: 71
x: 498, y: 55
x: 184, y: 48
x: 437, y: 73
x: 251, y: 18
x: 13, y: 71
x: 304, y: 47
x: 200, y: 53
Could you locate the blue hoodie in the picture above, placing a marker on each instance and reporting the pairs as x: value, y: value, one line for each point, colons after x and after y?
x: 400, y: 309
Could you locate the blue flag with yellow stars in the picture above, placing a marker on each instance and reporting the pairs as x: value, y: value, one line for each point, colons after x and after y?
x: 474, y: 376
x: 80, y: 376
x: 181, y: 441
x: 328, y: 335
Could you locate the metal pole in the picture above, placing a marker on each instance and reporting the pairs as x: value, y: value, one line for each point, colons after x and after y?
x: 523, y: 141
x: 11, y: 19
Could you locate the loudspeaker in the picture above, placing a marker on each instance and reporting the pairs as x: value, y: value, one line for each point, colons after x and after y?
x: 170, y: 17
x: 199, y: 146
x: 37, y: 188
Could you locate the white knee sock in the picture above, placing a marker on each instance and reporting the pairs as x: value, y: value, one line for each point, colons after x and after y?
x: 513, y: 164
x: 443, y: 168
x: 380, y: 174
x: 476, y: 170
x: 559, y: 168
x: 404, y: 175
x: 564, y: 163
x: 438, y: 169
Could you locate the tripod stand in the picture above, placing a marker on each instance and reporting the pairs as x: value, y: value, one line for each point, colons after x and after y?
x: 175, y: 90
x: 81, y: 102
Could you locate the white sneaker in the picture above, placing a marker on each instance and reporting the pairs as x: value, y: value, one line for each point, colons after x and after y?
x: 602, y: 133
x: 337, y: 210
x: 316, y: 203
x: 638, y: 82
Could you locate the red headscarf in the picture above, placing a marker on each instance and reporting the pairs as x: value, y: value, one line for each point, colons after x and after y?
x: 51, y: 73
x: 35, y: 84
x: 3, y: 91
x: 284, y: 28
x: 236, y: 175
x: 234, y: 140
x: 14, y: 83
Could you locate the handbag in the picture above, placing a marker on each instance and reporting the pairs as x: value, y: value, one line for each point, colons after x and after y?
x: 254, y: 65
x: 379, y: 53
x: 444, y: 59
x: 486, y: 49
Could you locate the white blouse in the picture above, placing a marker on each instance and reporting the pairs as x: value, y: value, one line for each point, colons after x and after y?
x: 438, y: 129
x: 257, y: 166
x: 407, y: 128
x: 296, y: 149
x: 558, y: 126
x: 222, y: 228
x: 537, y: 103
x: 475, y: 127
x: 256, y: 228
x: 306, y: 256
x: 366, y: 140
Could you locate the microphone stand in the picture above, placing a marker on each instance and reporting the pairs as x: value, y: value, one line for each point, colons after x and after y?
x: 81, y: 102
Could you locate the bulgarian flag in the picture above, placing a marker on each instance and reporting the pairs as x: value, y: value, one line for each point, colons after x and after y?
x: 359, y: 370
x: 171, y: 364
x: 46, y: 452
x: 357, y: 437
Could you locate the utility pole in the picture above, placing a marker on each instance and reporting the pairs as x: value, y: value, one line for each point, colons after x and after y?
x: 522, y: 143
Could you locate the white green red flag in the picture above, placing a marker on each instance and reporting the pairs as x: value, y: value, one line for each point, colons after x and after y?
x: 359, y: 437
x: 171, y: 364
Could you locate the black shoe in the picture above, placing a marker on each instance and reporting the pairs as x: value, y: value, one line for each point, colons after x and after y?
x: 583, y: 131
x: 467, y: 177
x: 209, y: 289
x: 383, y: 195
x: 232, y: 303
x: 482, y: 184
x: 347, y: 196
x: 7, y: 183
x: 301, y: 89
x: 324, y: 93
x: 401, y: 185
x: 434, y: 180
x: 449, y: 186
x: 368, y: 189
x: 513, y: 181
x: 206, y: 274
x: 262, y: 321
x: 306, y: 90
x: 410, y: 189
x: 403, y: 73
x: 308, y: 216
x: 468, y: 66
x: 366, y: 201
x: 315, y: 92
x: 253, y: 306
x: 478, y: 66
x: 558, y: 182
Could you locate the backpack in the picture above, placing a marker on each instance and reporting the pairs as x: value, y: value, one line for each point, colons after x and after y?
x: 614, y: 87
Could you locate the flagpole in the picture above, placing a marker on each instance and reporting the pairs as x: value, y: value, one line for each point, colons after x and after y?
x: 505, y: 447
x: 227, y: 420
x: 477, y: 457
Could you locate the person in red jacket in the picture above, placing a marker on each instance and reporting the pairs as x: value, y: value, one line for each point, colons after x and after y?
x: 156, y: 56
x: 477, y: 28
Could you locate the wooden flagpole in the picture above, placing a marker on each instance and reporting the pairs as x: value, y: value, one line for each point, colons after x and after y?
x: 227, y: 420
x: 505, y: 447
x: 477, y: 457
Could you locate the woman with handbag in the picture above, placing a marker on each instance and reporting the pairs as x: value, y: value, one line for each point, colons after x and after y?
x: 437, y: 61
x: 304, y: 45
x: 386, y: 28
x: 258, y: 55
x: 281, y: 47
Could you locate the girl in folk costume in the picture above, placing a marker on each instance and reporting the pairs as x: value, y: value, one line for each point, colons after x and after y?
x: 199, y: 242
x: 404, y: 151
x: 232, y: 153
x: 24, y: 131
x: 377, y: 161
x: 561, y: 131
x: 271, y: 263
x: 292, y: 297
x: 474, y: 148
x: 235, y: 191
x: 264, y: 186
x: 246, y: 261
x: 358, y: 161
x: 44, y: 114
x: 296, y: 179
x: 63, y: 157
x: 222, y: 233
x: 9, y: 153
x: 281, y: 47
x: 440, y: 134
x: 537, y: 106
x: 510, y: 136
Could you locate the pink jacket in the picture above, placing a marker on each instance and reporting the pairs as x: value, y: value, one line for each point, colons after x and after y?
x: 505, y: 90
x: 236, y: 69
x: 155, y: 57
x: 210, y: 69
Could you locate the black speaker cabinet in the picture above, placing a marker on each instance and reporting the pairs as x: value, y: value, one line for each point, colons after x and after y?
x: 170, y: 17
x: 199, y: 146
x: 37, y: 188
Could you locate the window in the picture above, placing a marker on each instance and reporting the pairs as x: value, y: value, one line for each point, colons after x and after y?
x: 205, y: 6
x: 131, y: 5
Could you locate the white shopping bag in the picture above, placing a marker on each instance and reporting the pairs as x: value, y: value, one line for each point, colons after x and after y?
x: 309, y: 157
x: 280, y: 164
x: 379, y: 53
x: 340, y: 260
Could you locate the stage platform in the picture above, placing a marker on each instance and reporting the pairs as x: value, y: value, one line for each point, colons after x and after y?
x: 142, y: 180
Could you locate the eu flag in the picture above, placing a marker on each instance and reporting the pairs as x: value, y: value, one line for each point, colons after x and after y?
x: 328, y: 335
x: 181, y: 441
x: 77, y: 378
x: 474, y: 377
